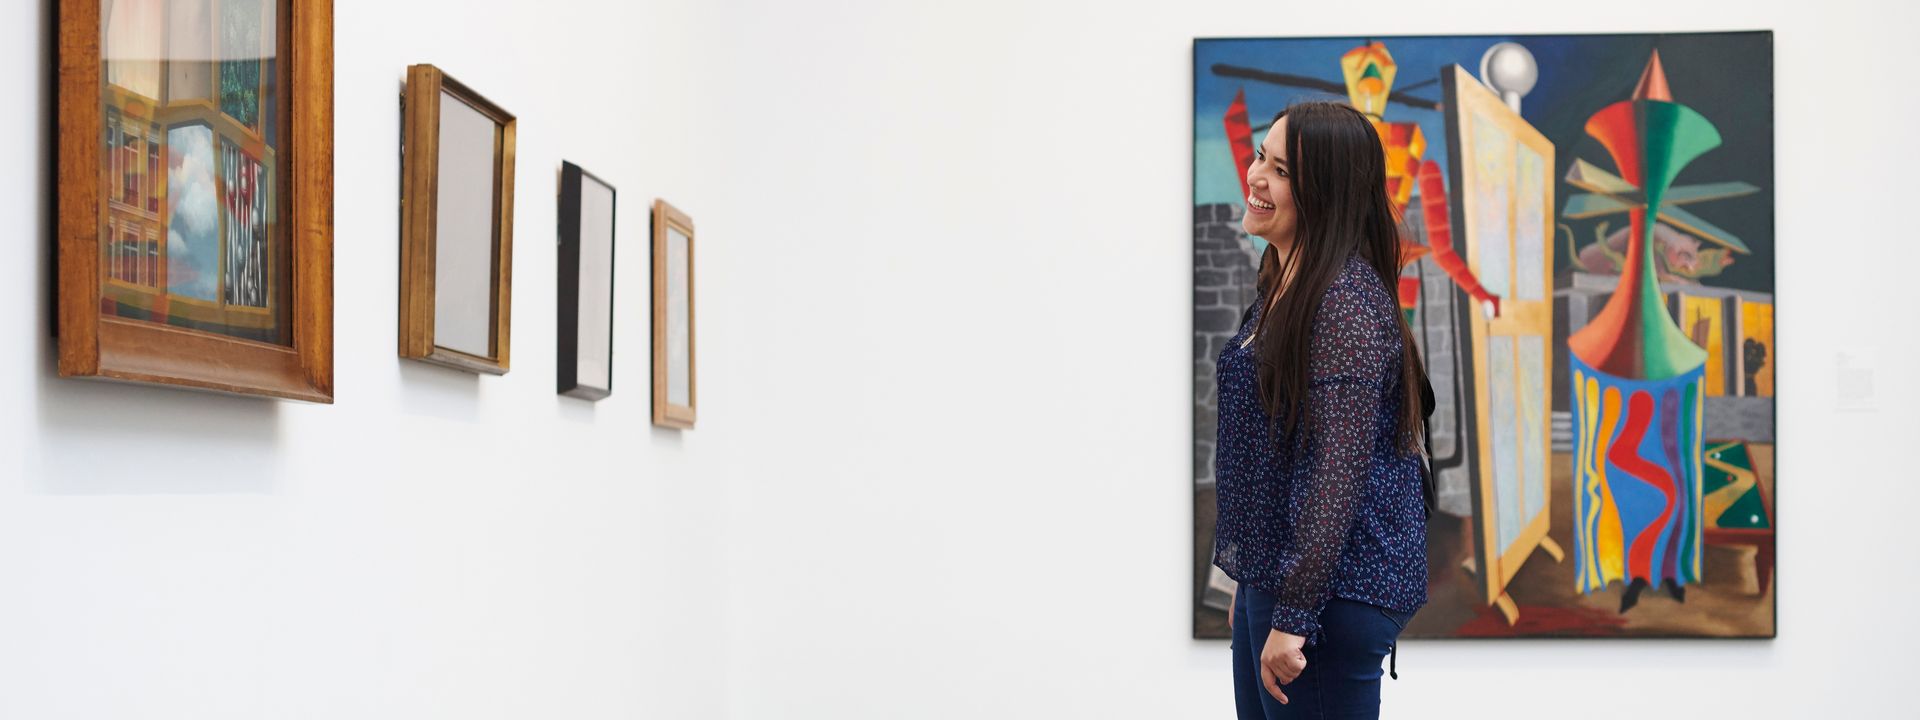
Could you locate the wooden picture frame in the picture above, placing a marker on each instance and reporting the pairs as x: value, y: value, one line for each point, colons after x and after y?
x: 441, y: 282
x: 245, y: 304
x: 674, y: 394
x: 586, y: 284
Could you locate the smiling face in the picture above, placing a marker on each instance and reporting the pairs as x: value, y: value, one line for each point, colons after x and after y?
x: 1270, y: 211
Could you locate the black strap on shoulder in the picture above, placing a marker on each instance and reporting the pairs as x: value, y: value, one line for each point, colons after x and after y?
x: 1429, y: 489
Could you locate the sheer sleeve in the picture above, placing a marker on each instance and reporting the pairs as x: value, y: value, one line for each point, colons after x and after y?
x: 1354, y: 350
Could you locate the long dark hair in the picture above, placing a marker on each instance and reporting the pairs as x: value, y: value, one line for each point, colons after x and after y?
x: 1338, y: 177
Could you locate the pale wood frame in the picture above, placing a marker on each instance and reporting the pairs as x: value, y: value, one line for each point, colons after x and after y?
x: 419, y: 201
x: 93, y: 345
x: 666, y: 414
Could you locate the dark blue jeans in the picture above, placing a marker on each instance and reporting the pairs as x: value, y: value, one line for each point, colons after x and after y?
x: 1342, y: 679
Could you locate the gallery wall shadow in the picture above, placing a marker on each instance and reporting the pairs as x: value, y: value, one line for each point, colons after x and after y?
x: 109, y: 438
x: 577, y: 410
x: 667, y: 437
x: 442, y: 392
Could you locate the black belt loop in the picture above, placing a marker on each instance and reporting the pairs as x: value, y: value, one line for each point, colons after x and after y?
x: 1393, y: 660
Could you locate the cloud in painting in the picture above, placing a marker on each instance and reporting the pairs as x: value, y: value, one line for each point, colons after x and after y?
x: 193, y: 224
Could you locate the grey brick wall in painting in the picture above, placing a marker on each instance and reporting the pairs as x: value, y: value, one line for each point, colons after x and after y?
x: 1440, y: 328
x: 1224, y: 269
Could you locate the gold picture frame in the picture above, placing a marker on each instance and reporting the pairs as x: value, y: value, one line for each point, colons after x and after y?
x: 443, y: 244
x: 195, y: 198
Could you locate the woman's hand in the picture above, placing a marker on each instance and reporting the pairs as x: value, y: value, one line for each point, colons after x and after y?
x: 1231, y: 605
x: 1281, y: 660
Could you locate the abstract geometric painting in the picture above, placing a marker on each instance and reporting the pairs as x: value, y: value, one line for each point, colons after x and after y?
x: 1587, y: 266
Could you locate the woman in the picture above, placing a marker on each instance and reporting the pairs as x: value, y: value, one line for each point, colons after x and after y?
x: 1321, y: 514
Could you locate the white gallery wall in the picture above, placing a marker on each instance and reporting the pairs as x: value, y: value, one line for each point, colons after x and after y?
x: 434, y: 545
x: 942, y: 465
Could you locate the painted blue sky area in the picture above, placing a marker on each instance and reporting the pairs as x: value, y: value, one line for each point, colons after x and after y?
x: 1727, y: 77
x: 1420, y: 59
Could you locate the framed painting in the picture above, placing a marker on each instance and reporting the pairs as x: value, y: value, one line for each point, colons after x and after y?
x: 585, y: 305
x: 456, y: 226
x: 673, y: 340
x: 195, y: 194
x: 1588, y: 270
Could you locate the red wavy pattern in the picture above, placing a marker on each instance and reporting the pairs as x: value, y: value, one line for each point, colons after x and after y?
x: 1624, y: 453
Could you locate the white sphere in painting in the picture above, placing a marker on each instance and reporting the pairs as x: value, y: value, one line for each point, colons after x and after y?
x: 1510, y: 70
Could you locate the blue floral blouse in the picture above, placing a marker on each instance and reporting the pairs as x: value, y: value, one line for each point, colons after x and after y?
x: 1337, y: 510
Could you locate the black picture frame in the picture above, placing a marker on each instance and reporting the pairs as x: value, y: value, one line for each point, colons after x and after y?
x: 576, y: 362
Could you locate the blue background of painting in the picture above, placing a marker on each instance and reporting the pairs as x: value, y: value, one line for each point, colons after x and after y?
x: 1728, y: 77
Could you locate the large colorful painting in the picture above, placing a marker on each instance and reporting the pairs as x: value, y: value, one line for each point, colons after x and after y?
x: 1588, y: 269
